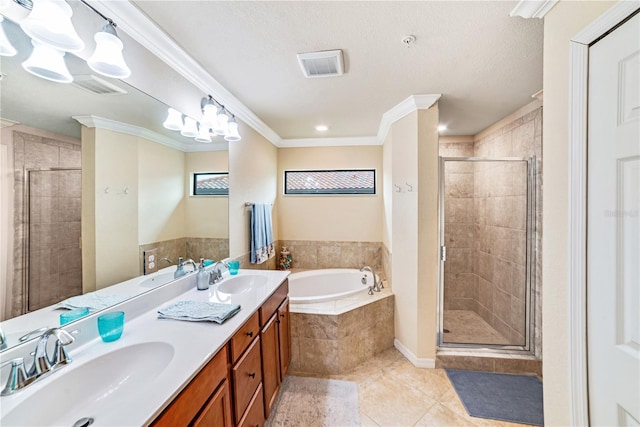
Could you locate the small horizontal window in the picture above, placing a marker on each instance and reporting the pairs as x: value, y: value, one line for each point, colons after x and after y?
x: 359, y: 181
x: 210, y: 184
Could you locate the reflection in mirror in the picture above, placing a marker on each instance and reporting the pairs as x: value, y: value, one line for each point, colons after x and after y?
x: 82, y: 205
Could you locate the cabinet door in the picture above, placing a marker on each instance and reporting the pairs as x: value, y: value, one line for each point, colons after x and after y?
x: 284, y: 335
x: 270, y: 363
x: 217, y: 412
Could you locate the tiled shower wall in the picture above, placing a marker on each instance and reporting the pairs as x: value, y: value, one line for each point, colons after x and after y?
x: 485, y: 227
x: 55, y: 234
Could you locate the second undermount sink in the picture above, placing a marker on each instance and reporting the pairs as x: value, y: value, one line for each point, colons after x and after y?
x: 96, y: 389
x: 242, y: 283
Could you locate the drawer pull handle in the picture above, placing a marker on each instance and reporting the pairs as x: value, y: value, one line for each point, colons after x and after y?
x: 282, y: 315
x: 252, y: 374
x: 249, y: 334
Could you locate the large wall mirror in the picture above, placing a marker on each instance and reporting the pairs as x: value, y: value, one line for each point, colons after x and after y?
x: 82, y: 203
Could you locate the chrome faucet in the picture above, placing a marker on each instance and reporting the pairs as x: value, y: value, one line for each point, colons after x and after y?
x: 376, y: 285
x: 180, y: 271
x: 216, y: 273
x: 42, y: 365
x: 168, y: 260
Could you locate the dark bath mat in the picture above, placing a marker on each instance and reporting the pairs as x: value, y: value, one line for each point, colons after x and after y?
x: 505, y: 397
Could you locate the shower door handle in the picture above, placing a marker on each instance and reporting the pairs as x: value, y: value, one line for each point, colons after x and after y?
x: 443, y: 253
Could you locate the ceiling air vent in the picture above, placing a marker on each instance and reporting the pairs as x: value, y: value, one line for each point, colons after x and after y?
x: 96, y: 85
x: 327, y: 63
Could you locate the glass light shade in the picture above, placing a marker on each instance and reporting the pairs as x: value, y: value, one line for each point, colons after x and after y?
x: 48, y: 63
x: 220, y: 126
x: 203, y: 134
x: 50, y: 23
x: 6, y: 48
x: 208, y: 115
x: 233, y: 134
x: 174, y: 120
x: 107, y: 59
x: 190, y: 128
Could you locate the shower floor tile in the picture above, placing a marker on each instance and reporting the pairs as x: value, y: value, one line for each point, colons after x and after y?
x: 467, y: 327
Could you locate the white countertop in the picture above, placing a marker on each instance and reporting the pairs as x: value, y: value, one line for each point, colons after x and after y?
x: 194, y: 344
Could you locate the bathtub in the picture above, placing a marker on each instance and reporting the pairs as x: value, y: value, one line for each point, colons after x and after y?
x: 330, y: 284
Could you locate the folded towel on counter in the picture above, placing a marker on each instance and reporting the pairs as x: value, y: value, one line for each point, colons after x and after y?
x: 199, y: 311
x: 93, y: 301
x: 261, y: 234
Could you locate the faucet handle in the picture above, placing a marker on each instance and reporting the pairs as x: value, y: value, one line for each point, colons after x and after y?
x: 60, y: 355
x: 17, y: 376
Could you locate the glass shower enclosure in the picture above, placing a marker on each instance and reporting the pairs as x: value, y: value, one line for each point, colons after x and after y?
x: 486, y: 236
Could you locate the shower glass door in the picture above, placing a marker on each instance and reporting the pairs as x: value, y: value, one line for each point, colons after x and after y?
x: 485, y: 236
x: 54, y: 262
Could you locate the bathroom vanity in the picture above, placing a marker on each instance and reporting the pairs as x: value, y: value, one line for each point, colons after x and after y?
x: 168, y: 372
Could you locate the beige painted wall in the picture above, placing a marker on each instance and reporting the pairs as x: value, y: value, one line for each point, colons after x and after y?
x: 428, y: 247
x: 161, y: 192
x: 206, y: 216
x: 253, y: 168
x: 330, y: 218
x: 564, y: 21
x: 116, y: 213
x: 387, y: 192
x: 412, y: 153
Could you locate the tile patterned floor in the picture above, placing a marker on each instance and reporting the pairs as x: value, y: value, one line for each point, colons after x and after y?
x: 392, y: 392
x: 466, y: 326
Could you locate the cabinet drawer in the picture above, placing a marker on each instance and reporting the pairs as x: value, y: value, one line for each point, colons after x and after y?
x: 271, y: 305
x: 255, y: 414
x: 217, y: 411
x: 241, y: 339
x: 189, y: 402
x: 247, y: 376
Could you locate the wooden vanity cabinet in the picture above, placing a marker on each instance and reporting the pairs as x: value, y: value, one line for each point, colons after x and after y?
x: 239, y: 385
x: 205, y: 398
x: 276, y: 344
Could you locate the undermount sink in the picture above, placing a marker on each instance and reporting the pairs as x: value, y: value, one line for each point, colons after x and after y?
x: 93, y: 389
x: 157, y: 280
x: 243, y: 283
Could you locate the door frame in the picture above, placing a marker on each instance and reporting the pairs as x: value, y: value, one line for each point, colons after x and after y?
x: 578, y: 102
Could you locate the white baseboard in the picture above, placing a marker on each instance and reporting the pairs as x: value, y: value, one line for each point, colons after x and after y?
x: 416, y: 361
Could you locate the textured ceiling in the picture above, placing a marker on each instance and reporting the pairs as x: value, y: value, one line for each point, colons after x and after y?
x: 485, y: 64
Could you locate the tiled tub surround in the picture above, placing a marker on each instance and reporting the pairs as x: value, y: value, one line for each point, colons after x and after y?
x: 485, y: 226
x: 333, y: 337
x: 186, y: 247
x: 55, y: 271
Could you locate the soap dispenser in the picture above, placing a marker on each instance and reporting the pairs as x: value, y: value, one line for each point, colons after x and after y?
x: 202, y: 278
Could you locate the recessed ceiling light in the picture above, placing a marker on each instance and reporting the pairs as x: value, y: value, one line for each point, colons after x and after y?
x: 322, y: 128
x: 442, y: 127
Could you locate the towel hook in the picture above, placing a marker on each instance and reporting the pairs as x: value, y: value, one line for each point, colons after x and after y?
x: 398, y: 188
x: 409, y: 187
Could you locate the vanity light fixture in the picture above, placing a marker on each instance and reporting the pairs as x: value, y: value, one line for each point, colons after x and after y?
x: 203, y: 133
x: 190, y: 128
x: 48, y: 63
x: 209, y: 109
x: 233, y: 134
x: 50, y: 23
x: 322, y: 128
x: 221, y: 126
x: 6, y: 48
x: 107, y: 59
x: 442, y: 128
x: 174, y: 120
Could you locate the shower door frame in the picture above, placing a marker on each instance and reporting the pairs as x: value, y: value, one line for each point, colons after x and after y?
x: 26, y: 242
x: 531, y: 163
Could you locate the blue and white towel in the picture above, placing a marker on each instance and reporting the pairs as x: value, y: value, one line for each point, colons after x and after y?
x: 199, y: 311
x: 261, y: 234
x: 93, y: 301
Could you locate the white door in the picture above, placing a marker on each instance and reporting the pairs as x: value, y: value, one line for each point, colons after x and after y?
x: 613, y: 231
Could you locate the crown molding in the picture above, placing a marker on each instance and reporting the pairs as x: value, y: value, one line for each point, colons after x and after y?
x: 532, y: 8
x: 328, y: 142
x: 409, y: 105
x: 115, y: 126
x: 143, y: 30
